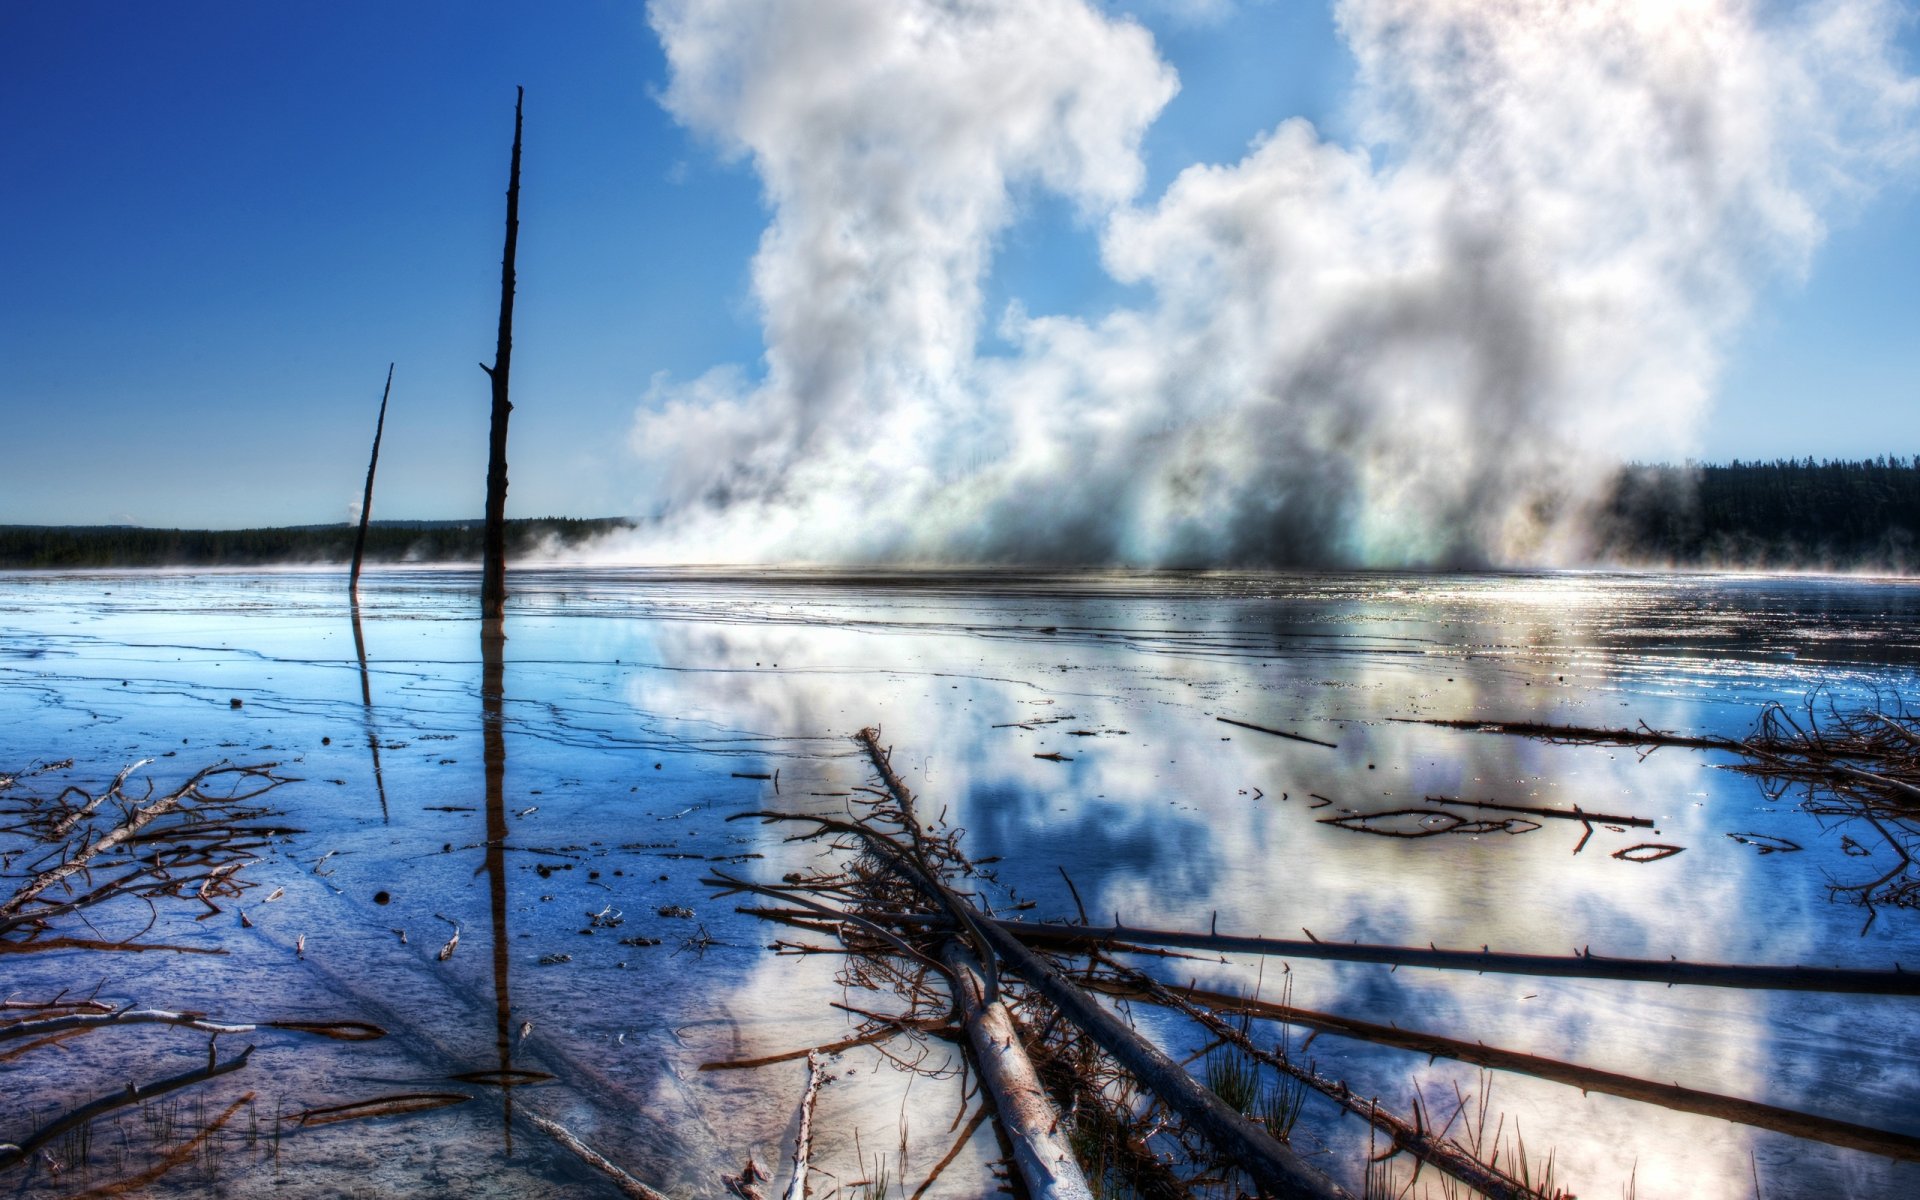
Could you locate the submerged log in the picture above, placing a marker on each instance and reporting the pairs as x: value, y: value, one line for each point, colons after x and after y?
x: 131, y: 1094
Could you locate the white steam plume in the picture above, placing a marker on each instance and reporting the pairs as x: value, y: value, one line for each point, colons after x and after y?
x: 1431, y: 350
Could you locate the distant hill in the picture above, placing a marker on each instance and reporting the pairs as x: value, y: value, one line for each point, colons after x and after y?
x: 80, y: 546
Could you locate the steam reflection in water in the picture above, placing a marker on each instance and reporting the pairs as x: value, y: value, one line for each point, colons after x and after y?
x: 1160, y: 812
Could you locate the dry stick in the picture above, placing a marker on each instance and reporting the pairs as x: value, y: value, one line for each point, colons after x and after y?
x: 1484, y: 1178
x: 1581, y: 966
x: 803, y: 1140
x: 137, y: 820
x: 1587, y: 1079
x: 350, y: 1031
x: 132, y: 1094
x: 1577, y: 814
x: 1274, y: 1168
x: 627, y: 1184
x: 1278, y: 733
x: 366, y: 502
x: 493, y: 567
x: 1041, y: 1150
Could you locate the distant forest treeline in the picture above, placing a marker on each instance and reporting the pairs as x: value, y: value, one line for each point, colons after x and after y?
x: 1862, y: 515
x: 1835, y: 515
x: 52, y: 546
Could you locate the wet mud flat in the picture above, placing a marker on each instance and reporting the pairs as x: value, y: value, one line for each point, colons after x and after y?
x: 1230, y: 754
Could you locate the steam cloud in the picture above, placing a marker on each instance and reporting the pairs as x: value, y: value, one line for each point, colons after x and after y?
x: 1429, y: 348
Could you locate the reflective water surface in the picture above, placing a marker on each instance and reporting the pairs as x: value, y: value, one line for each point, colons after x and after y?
x: 558, y: 803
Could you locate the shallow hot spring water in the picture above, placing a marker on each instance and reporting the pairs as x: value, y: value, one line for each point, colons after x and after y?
x: 1072, y: 726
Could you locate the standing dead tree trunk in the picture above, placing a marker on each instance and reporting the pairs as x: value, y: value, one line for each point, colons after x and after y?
x: 366, y: 501
x: 493, y: 571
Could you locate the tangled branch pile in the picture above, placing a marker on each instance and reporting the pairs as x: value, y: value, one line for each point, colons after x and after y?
x: 1086, y: 1102
x: 77, y: 851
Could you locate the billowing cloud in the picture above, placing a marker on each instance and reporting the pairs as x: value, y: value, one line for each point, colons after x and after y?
x: 1431, y: 346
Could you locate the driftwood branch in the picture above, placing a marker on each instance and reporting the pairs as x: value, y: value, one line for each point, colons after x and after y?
x: 803, y: 1138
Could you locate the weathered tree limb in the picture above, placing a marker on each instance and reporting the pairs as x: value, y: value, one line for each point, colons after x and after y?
x: 1041, y: 1150
x: 65, y: 825
x: 1574, y: 814
x: 1274, y: 1168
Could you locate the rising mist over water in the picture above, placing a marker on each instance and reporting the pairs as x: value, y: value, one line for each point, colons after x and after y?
x: 1430, y: 344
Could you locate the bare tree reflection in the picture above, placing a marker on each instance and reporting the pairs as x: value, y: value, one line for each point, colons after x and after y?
x: 494, y: 752
x: 366, y: 702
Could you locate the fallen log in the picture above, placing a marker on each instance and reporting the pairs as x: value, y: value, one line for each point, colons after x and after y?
x: 1896, y: 982
x: 13, y: 913
x: 1041, y: 1150
x: 1274, y: 1168
x: 1588, y: 1079
x: 1412, y: 1138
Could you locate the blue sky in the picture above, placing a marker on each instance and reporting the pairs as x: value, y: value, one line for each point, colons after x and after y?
x: 220, y: 221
